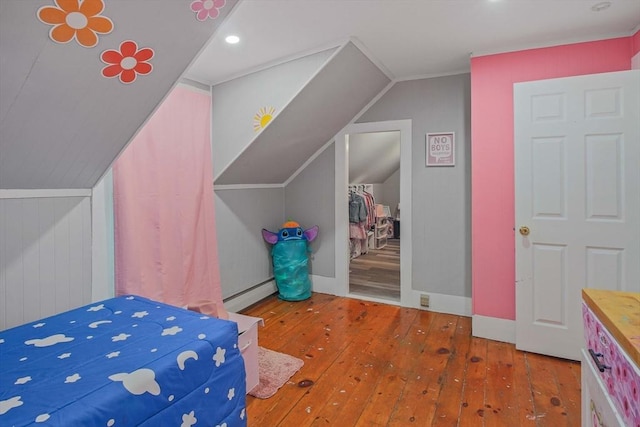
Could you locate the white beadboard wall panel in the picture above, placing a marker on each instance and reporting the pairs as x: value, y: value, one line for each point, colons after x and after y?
x: 87, y: 254
x: 45, y: 257
x: 10, y: 271
x: 31, y: 276
x: 79, y: 225
x: 61, y: 233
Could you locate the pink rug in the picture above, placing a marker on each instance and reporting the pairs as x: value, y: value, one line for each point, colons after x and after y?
x: 274, y: 370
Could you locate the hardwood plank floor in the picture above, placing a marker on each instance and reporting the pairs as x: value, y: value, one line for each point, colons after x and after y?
x: 375, y: 364
x: 377, y: 273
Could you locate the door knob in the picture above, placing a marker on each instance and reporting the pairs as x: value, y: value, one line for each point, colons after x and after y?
x: 524, y: 230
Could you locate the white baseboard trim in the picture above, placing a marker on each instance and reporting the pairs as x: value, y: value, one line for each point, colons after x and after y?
x: 239, y: 302
x: 440, y: 303
x: 451, y: 304
x: 220, y: 187
x: 493, y: 328
x: 45, y: 193
x: 373, y: 299
x: 324, y: 285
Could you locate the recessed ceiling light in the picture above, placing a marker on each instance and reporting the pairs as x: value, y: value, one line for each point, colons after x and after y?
x: 232, y: 39
x: 598, y: 7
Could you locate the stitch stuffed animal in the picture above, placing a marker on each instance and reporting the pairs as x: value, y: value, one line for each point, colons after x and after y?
x: 290, y: 256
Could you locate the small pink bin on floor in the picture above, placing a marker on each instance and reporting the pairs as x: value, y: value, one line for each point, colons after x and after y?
x: 248, y: 343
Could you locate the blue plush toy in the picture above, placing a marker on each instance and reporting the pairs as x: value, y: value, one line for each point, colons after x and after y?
x: 290, y: 255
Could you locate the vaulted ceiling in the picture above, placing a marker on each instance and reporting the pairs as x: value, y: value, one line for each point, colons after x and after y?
x: 407, y: 38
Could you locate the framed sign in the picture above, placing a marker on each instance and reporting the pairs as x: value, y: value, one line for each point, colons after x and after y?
x: 441, y: 149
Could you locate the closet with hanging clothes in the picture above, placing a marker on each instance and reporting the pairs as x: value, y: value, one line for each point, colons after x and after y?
x: 362, y: 217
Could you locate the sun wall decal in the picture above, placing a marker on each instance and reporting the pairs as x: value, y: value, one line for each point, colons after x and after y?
x: 262, y: 118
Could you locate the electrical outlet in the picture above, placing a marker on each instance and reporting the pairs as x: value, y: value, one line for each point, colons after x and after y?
x: 424, y: 300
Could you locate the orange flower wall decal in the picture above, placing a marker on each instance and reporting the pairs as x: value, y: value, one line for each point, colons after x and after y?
x: 79, y: 19
x: 127, y: 62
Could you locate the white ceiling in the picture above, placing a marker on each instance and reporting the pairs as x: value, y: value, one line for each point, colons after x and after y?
x: 406, y: 38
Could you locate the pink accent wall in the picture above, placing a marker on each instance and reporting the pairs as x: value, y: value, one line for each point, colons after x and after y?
x: 492, y: 200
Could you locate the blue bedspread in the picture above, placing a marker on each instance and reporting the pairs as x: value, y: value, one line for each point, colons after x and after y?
x: 126, y: 361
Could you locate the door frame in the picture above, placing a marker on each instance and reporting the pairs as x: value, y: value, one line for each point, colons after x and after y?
x: 341, y: 211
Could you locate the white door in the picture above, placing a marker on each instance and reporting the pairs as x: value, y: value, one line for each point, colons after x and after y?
x: 577, y: 184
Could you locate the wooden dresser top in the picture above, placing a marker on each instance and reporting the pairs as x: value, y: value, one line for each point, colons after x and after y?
x: 620, y: 313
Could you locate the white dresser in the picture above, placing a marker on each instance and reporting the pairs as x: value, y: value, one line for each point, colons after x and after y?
x: 248, y: 343
x: 611, y: 358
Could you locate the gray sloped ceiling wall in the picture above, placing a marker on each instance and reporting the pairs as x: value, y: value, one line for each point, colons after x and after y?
x: 242, y: 106
x: 61, y: 122
x: 334, y: 95
x: 332, y: 87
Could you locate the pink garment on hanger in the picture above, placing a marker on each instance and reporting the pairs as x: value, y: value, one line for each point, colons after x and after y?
x: 165, y: 237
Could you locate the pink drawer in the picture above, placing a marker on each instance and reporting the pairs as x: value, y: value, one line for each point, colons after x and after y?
x: 598, y: 410
x: 621, y: 377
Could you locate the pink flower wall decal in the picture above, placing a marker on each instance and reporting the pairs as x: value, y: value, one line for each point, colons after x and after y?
x: 207, y: 8
x: 76, y: 19
x: 127, y: 62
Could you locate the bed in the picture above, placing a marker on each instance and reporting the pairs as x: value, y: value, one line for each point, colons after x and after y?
x: 125, y: 361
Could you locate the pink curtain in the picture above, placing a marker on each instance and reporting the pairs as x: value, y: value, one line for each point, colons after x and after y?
x: 165, y: 237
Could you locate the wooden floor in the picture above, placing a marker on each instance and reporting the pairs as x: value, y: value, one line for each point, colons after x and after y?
x: 383, y: 365
x: 377, y: 273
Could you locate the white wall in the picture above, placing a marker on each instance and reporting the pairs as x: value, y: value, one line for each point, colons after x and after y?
x: 45, y: 253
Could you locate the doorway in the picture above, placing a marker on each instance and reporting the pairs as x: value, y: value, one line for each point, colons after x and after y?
x: 342, y: 249
x: 374, y: 197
